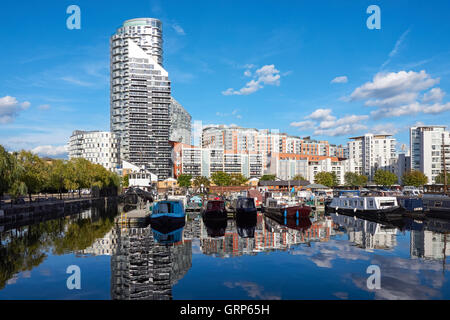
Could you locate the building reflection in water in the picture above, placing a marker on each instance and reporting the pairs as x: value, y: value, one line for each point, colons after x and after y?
x: 430, y: 239
x: 142, y: 268
x: 367, y: 234
x: 264, y: 234
x: 147, y: 262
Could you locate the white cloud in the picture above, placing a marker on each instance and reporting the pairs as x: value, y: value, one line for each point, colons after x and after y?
x: 50, y: 151
x: 178, y: 29
x: 10, y: 107
x: 384, y: 128
x: 341, y: 130
x: 321, y: 114
x: 397, y: 93
x: 435, y: 94
x: 328, y: 125
x: 342, y: 79
x: 247, y: 73
x: 266, y: 75
x: 389, y: 85
x: 307, y: 124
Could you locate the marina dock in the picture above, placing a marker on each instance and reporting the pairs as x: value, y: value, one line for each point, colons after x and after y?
x: 133, y: 218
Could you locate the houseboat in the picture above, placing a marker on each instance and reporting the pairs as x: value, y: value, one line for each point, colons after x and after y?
x: 286, y: 208
x: 436, y: 204
x: 245, y: 206
x: 167, y: 211
x: 410, y: 204
x: 364, y: 203
x: 214, y: 209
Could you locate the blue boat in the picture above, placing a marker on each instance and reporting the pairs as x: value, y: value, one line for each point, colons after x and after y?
x: 168, y: 210
x: 410, y: 204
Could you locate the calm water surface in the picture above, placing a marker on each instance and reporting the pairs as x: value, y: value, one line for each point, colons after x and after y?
x: 325, y: 257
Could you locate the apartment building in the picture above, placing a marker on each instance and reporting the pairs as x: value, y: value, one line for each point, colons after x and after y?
x: 99, y: 147
x: 426, y: 144
x: 372, y: 152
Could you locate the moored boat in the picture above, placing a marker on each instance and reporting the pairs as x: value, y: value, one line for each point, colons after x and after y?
x: 245, y: 206
x: 436, y: 204
x: 365, y: 203
x: 286, y: 209
x: 410, y: 204
x: 214, y: 209
x: 167, y: 210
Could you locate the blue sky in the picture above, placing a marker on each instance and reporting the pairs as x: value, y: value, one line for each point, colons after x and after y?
x: 261, y: 64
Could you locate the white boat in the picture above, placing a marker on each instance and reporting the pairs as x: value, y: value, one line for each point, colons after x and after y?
x: 353, y: 203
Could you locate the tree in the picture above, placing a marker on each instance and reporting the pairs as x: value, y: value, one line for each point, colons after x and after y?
x: 328, y: 179
x: 126, y: 181
x: 299, y: 177
x: 384, y: 178
x: 416, y: 178
x: 34, y: 172
x: 355, y: 180
x: 268, y: 177
x: 56, y: 173
x: 17, y: 190
x: 184, y: 180
x: 221, y: 178
x: 237, y: 179
x: 8, y: 171
x: 199, y: 181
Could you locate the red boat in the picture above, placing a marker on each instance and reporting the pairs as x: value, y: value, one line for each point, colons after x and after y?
x: 286, y: 209
x: 214, y: 209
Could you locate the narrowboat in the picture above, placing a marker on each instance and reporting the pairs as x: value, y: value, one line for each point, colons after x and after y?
x: 438, y: 204
x: 245, y: 206
x: 167, y: 211
x: 370, y: 202
x: 214, y: 209
x: 410, y: 204
x: 286, y: 209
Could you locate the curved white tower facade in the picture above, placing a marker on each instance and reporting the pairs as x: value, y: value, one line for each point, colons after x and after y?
x: 141, y: 95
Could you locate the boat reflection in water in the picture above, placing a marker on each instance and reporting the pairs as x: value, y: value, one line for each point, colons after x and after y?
x: 215, y: 226
x: 167, y: 232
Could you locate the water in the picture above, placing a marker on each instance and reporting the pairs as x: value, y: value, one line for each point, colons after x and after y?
x: 324, y: 258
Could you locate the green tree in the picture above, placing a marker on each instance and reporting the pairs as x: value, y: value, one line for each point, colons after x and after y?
x: 268, y: 177
x: 237, y: 179
x: 56, y: 177
x: 384, y: 178
x: 184, y: 180
x: 17, y: 190
x: 299, y: 177
x: 34, y: 173
x: 415, y: 178
x: 328, y: 179
x: 221, y: 178
x: 8, y: 171
x: 355, y: 180
x: 126, y: 181
x: 199, y: 181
